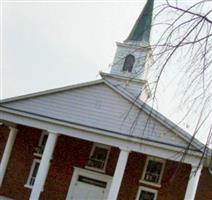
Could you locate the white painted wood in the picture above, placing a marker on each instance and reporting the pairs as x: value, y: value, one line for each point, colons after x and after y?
x: 104, y: 137
x: 7, y: 153
x: 99, y: 102
x: 140, y: 54
x: 87, y: 192
x: 5, y: 198
x: 118, y: 175
x: 193, y: 182
x: 73, y: 190
x: 44, y: 166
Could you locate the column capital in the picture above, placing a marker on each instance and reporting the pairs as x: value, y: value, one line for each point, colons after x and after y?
x: 50, y: 131
x: 196, y: 168
x: 196, y: 165
x: 126, y: 149
x: 13, y: 128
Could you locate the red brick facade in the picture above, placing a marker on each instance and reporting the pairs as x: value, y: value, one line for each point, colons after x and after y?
x: 70, y: 152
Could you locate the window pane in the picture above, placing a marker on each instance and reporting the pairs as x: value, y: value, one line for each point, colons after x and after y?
x: 128, y: 63
x: 153, y: 171
x: 34, y: 173
x: 100, y: 153
x: 145, y: 195
x: 43, y: 143
x: 98, y: 158
x: 35, y: 170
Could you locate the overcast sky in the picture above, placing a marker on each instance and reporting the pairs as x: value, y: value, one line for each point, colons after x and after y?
x: 48, y: 45
x: 53, y: 44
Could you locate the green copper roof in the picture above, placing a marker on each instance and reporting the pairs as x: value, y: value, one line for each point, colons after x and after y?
x: 142, y: 27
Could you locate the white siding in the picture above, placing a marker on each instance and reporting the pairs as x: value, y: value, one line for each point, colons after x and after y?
x: 121, y: 53
x: 100, y: 107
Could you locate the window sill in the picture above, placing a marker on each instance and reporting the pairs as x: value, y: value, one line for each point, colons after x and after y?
x: 95, y: 169
x: 37, y: 154
x: 30, y: 187
x: 158, y: 185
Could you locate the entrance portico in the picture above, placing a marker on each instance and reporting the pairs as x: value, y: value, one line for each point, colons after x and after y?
x: 119, y: 169
x: 100, y: 139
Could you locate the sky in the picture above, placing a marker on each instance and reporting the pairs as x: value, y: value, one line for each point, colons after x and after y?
x: 50, y: 44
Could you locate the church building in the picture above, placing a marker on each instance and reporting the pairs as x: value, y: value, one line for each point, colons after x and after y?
x: 100, y: 140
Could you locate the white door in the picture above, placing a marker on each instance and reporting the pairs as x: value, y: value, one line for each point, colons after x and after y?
x: 88, y: 185
x: 84, y: 191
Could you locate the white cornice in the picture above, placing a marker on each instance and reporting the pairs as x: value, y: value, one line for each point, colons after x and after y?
x: 136, y: 46
x: 122, y: 141
x: 115, y: 76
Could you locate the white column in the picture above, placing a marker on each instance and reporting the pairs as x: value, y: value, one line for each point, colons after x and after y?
x: 44, y: 166
x: 7, y: 153
x: 193, y: 182
x: 118, y: 175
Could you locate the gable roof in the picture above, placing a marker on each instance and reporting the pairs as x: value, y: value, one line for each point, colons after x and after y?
x: 81, y: 103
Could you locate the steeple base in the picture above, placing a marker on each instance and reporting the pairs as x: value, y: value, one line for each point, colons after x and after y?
x: 138, y: 88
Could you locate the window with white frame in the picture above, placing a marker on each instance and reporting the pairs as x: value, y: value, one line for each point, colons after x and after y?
x: 98, y: 157
x: 33, y: 173
x: 41, y: 145
x: 128, y: 63
x: 145, y: 193
x: 153, y: 171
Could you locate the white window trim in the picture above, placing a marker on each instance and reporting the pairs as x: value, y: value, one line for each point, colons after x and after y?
x: 40, y: 142
x: 145, y: 168
x: 148, y: 190
x: 106, y: 160
x: 30, y: 173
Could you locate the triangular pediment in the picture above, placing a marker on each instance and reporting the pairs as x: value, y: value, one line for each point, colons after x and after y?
x: 98, y: 106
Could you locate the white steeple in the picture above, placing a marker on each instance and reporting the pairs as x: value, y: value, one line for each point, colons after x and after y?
x: 130, y: 64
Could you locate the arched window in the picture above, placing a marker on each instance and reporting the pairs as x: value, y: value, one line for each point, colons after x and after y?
x: 128, y: 63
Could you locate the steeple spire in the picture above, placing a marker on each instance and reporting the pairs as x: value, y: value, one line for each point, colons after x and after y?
x: 129, y: 70
x: 142, y: 27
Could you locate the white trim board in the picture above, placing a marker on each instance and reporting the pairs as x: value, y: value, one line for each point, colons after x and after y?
x: 93, y: 135
x: 50, y: 91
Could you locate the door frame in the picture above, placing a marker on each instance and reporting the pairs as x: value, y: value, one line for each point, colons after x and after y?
x: 90, y: 174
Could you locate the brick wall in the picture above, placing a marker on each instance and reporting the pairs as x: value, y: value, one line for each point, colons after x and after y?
x: 71, y: 152
x: 173, y: 182
x: 19, y: 164
x: 204, y: 191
